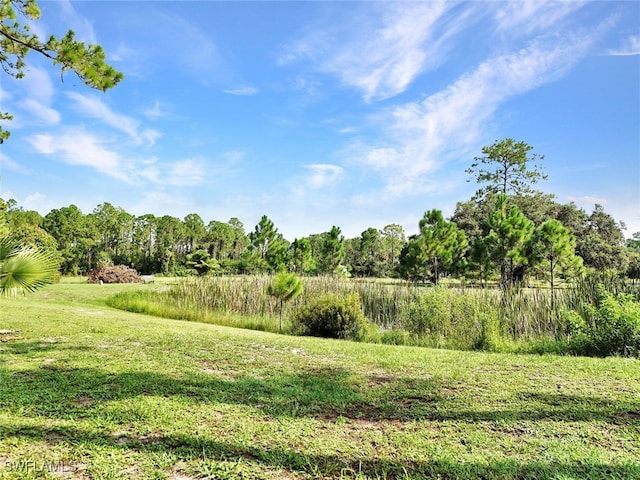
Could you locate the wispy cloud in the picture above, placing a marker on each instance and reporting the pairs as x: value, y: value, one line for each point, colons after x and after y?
x: 529, y: 16
x: 202, y: 60
x: 424, y: 135
x: 160, y: 202
x: 39, y: 97
x: 165, y: 39
x: 383, y: 53
x: 36, y: 201
x: 589, y: 200
x: 40, y: 111
x: 93, y: 107
x: 155, y: 111
x: 187, y: 172
x: 8, y: 163
x: 243, y: 90
x: 77, y: 147
x: 79, y: 24
x: 323, y: 175
x: 631, y: 46
x: 38, y: 84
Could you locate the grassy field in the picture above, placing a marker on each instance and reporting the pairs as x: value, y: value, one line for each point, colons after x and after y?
x: 89, y: 392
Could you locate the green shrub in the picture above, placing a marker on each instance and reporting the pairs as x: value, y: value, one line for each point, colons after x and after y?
x: 428, y: 314
x: 489, y: 338
x: 396, y: 337
x: 331, y: 316
x: 372, y: 333
x: 444, y: 317
x: 611, y: 327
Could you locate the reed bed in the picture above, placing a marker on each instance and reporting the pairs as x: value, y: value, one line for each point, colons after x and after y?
x: 454, y: 316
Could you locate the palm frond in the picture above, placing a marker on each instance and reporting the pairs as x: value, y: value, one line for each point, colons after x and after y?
x: 24, y: 269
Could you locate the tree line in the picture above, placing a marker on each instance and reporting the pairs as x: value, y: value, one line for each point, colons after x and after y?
x: 504, y: 233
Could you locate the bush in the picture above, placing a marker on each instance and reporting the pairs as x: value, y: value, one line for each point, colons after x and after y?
x: 443, y: 317
x: 331, y: 316
x: 428, y: 314
x: 611, y: 327
x: 396, y: 337
x: 113, y: 274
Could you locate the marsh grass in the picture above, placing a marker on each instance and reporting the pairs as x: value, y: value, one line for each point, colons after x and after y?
x: 157, y: 303
x: 117, y: 395
x: 457, y: 316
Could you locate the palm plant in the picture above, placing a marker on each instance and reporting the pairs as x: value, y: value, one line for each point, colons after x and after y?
x: 24, y: 269
x: 285, y: 287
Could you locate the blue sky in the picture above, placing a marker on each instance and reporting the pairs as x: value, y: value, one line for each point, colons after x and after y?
x: 355, y: 114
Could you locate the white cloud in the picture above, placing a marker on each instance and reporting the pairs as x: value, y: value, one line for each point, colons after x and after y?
x: 8, y: 163
x: 39, y: 94
x: 243, y: 90
x: 150, y: 135
x: 384, y: 64
x: 93, y: 107
x: 154, y: 111
x: 35, y: 201
x: 588, y: 200
x: 38, y: 84
x: 80, y: 25
x: 121, y: 53
x: 150, y: 172
x: 631, y: 46
x: 4, y: 95
x: 161, y: 203
x: 528, y: 16
x: 381, y: 55
x: 202, y: 61
x: 423, y: 135
x: 178, y: 44
x: 323, y: 175
x: 187, y: 172
x: 45, y: 114
x: 77, y: 147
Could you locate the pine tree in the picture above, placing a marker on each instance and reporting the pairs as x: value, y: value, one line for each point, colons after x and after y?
x: 506, y: 167
x: 441, y: 241
x: 17, y: 41
x: 553, y: 243
x: 510, y: 232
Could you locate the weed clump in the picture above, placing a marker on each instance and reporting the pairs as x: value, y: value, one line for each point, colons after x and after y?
x: 610, y: 327
x: 332, y: 316
x: 113, y: 274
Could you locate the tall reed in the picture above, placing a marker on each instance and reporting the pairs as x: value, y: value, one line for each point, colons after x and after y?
x: 463, y: 318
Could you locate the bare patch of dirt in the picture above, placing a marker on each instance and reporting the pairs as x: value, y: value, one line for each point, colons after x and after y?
x: 54, y: 438
x: 218, y: 372
x: 9, y: 335
x: 84, y: 401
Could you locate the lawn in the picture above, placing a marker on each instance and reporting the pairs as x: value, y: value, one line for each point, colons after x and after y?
x: 87, y: 391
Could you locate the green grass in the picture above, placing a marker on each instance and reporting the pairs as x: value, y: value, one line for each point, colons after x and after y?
x: 87, y: 391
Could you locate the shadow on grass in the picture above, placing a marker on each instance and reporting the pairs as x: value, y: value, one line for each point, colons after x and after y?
x: 64, y: 392
x: 185, y: 448
x: 59, y: 392
x: 21, y: 348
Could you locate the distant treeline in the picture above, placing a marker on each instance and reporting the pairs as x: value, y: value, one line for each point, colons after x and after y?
x: 496, y: 238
